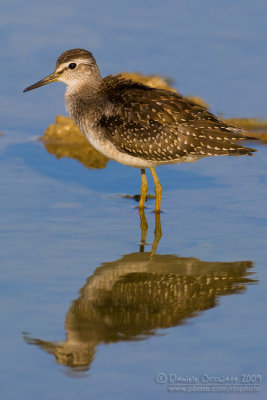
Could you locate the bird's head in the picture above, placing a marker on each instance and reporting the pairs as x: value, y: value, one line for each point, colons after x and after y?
x: 73, y: 67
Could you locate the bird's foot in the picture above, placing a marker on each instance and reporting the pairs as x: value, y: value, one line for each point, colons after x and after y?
x: 137, y: 197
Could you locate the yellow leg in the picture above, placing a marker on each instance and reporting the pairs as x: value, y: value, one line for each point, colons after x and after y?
x: 157, y: 234
x: 144, y: 229
x: 144, y: 189
x: 158, y: 190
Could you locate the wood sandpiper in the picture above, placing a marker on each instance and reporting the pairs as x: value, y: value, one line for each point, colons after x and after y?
x: 137, y: 125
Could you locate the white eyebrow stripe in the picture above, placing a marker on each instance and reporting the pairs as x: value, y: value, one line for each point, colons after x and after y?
x: 61, y: 67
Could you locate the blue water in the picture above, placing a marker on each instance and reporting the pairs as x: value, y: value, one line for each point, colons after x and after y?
x: 68, y: 238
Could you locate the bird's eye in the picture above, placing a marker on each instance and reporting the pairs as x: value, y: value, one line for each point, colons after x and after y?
x: 72, y: 65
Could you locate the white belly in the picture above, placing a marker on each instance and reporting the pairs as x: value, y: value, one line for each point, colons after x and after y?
x: 105, y: 147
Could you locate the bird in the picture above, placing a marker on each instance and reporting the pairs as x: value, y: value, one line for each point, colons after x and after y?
x: 137, y: 125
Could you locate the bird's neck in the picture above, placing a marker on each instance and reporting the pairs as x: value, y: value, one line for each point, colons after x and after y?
x: 82, y: 100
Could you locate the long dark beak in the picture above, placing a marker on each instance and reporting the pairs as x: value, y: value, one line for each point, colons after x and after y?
x: 50, y: 78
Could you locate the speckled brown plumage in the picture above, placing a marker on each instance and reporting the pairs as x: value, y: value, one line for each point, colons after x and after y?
x: 160, y: 125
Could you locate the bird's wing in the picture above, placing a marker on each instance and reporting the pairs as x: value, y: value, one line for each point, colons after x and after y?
x: 160, y: 125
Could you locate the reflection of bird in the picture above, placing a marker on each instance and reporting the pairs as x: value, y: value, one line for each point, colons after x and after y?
x: 129, y: 299
x: 137, y: 125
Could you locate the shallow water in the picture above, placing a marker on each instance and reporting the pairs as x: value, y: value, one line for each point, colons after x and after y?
x: 81, y: 294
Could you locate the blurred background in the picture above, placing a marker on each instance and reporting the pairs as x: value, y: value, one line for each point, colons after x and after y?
x: 211, y: 49
x: 78, y: 299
